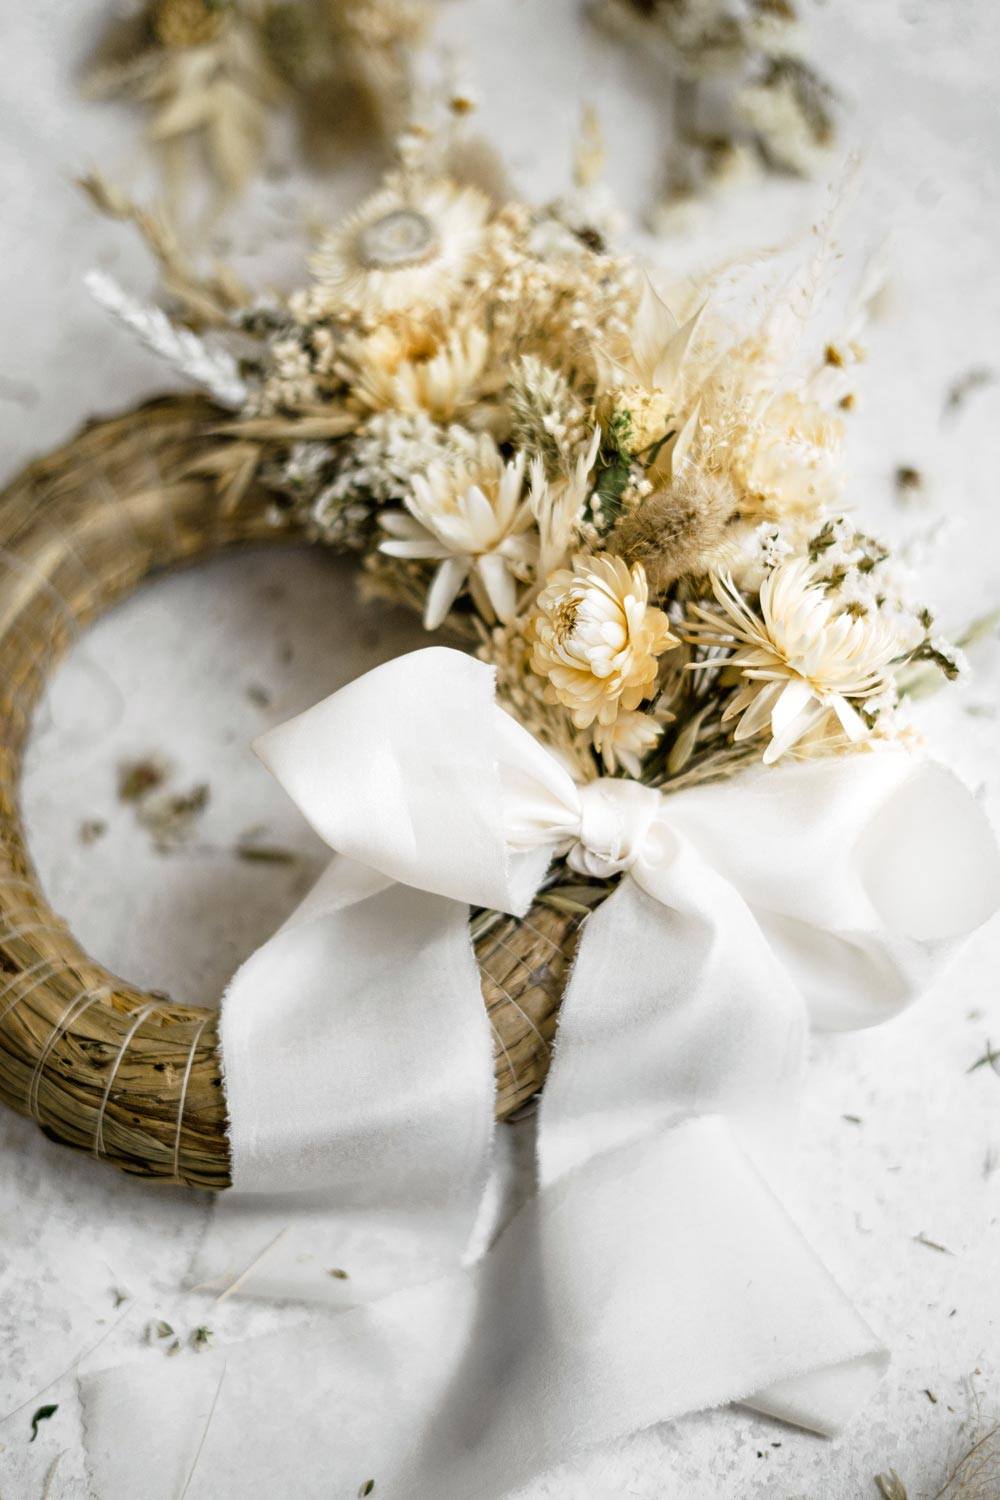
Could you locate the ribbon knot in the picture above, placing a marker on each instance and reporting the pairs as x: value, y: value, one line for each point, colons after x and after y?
x: 615, y: 821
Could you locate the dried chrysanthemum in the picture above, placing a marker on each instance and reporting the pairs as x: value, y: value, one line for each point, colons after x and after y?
x: 472, y: 518
x: 410, y: 366
x: 597, y: 639
x: 804, y: 663
x: 408, y: 248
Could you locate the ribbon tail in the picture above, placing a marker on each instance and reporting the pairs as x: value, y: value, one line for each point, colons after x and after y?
x: 359, y: 1078
x: 676, y: 1012
x: 656, y: 1280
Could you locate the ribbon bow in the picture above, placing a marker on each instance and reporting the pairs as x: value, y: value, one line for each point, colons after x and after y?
x: 656, y: 1273
x: 814, y: 892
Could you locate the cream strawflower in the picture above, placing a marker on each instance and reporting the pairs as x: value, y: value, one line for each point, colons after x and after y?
x: 802, y: 660
x: 472, y: 517
x: 409, y: 247
x: 412, y: 367
x: 597, y: 638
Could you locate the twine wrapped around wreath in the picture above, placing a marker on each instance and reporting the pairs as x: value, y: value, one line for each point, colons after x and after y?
x: 101, y: 1065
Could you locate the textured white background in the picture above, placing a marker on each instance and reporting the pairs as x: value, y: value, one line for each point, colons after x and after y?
x: 170, y: 673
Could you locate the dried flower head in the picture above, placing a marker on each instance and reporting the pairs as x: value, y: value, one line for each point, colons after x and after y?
x: 788, y: 456
x: 597, y: 638
x: 409, y: 247
x: 410, y: 366
x: 473, y: 519
x: 805, y: 664
x: 680, y: 529
x: 624, y: 744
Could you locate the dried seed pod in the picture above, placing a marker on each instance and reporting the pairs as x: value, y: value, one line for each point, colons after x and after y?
x: 679, y: 529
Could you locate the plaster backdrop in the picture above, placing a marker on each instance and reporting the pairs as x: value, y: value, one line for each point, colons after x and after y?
x: 901, y: 1143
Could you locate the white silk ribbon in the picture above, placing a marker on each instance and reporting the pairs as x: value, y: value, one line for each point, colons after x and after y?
x: 655, y: 1273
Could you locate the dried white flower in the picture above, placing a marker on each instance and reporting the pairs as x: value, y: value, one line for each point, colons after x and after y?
x: 623, y: 744
x: 472, y: 518
x: 803, y: 662
x: 788, y: 455
x: 411, y: 367
x: 409, y: 247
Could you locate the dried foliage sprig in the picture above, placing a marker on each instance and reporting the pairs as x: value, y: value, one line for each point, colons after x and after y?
x: 214, y: 369
x: 210, y: 73
x: 779, y: 115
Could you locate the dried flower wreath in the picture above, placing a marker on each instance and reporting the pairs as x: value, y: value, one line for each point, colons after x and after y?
x: 632, y: 515
x: 632, y: 511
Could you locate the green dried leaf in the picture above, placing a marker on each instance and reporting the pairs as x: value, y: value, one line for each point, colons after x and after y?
x: 41, y: 1415
x: 266, y: 854
x: 137, y: 778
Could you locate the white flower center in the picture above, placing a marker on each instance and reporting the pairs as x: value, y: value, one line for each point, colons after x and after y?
x: 401, y: 238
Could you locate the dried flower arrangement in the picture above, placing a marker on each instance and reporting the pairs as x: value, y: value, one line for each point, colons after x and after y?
x: 780, y: 109
x: 634, y: 513
x: 211, y: 71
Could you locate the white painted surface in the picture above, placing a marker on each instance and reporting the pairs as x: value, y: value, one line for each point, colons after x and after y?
x: 170, y: 672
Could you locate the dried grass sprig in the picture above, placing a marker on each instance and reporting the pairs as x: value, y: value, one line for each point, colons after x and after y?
x: 211, y: 367
x: 205, y: 300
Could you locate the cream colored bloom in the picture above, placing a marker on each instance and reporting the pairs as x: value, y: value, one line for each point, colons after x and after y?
x: 628, y: 740
x: 408, y: 247
x: 803, y: 662
x: 412, y: 367
x: 597, y: 639
x: 473, y: 519
x: 787, y: 457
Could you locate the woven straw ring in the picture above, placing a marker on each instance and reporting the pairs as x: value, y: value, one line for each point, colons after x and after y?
x: 103, y: 1066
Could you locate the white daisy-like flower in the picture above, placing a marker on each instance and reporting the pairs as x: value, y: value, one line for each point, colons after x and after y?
x: 472, y: 518
x: 597, y: 638
x: 408, y: 247
x: 417, y: 367
x: 804, y: 662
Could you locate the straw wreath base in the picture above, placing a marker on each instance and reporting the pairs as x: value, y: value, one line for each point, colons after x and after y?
x: 100, y: 1065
